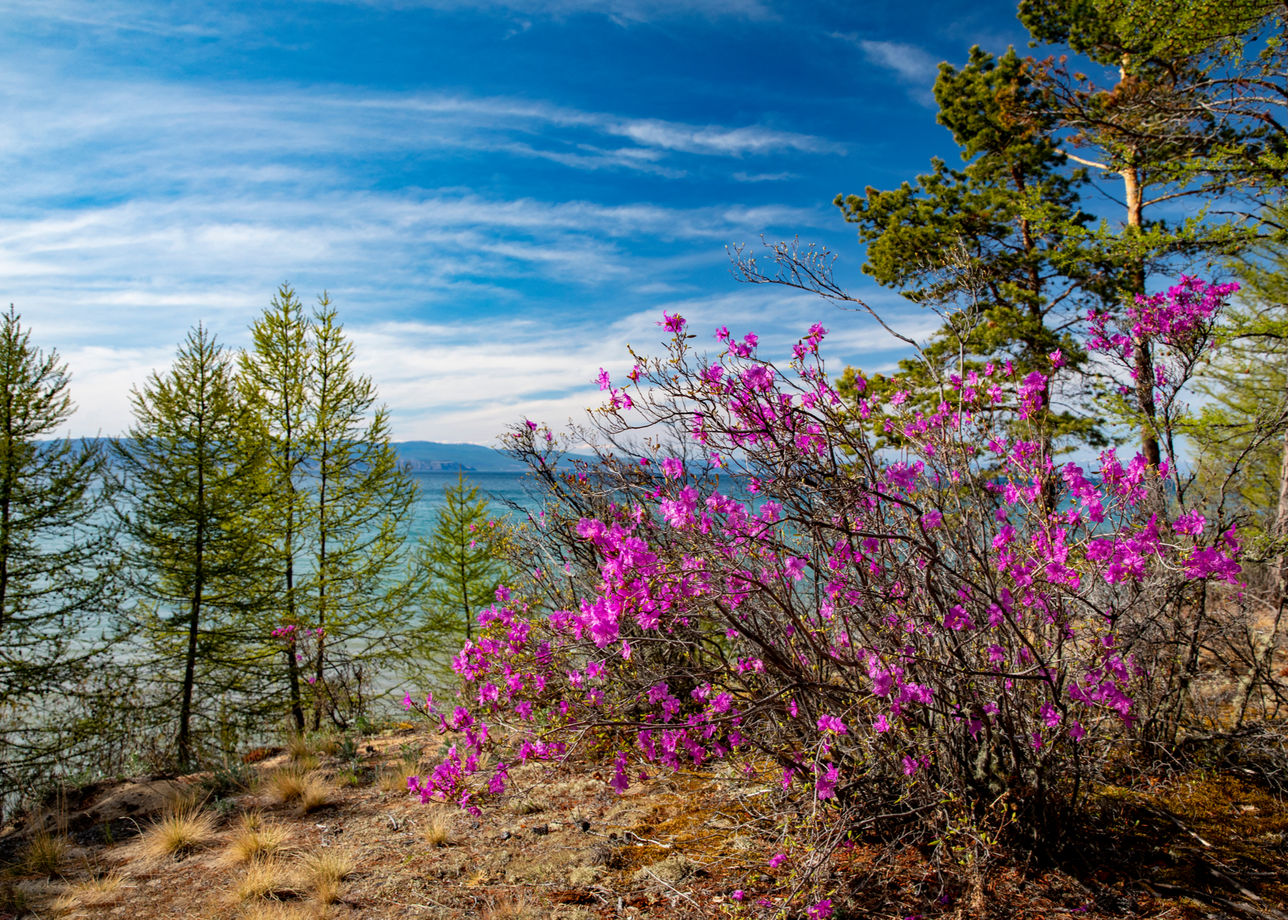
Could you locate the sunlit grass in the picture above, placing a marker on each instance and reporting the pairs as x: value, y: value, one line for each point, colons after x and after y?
x: 256, y: 838
x: 179, y: 831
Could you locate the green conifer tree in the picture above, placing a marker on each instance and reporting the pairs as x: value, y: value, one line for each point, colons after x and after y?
x: 987, y: 245
x: 189, y: 487
x: 461, y: 558
x: 363, y: 582
x: 1151, y: 139
x: 57, y: 558
x: 276, y: 382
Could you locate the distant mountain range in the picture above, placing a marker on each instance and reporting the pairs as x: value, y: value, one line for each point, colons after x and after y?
x: 435, y: 456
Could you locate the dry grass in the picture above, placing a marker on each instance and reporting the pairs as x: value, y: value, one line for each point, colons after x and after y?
x: 325, y: 872
x: 330, y: 865
x: 180, y: 830
x: 287, y: 784
x: 256, y: 838
x: 278, y: 910
x: 526, y: 805
x: 99, y: 891
x: 437, y: 831
x: 395, y: 780
x: 45, y: 852
x: 298, y: 745
x: 270, y: 910
x: 315, y: 794
x: 507, y: 907
x: 265, y: 878
x: 293, y: 785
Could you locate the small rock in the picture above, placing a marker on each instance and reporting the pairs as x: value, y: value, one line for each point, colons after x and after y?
x: 541, y: 830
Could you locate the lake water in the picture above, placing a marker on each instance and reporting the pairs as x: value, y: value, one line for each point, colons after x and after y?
x: 497, y: 488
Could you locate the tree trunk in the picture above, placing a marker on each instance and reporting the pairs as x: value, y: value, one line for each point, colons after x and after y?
x: 292, y: 663
x: 184, y: 741
x: 1263, y: 649
x: 320, y: 637
x: 1142, y: 352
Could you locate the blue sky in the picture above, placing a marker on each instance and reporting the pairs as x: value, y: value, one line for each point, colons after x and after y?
x: 498, y: 197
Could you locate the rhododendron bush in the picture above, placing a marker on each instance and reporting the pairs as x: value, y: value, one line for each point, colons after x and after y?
x: 745, y: 578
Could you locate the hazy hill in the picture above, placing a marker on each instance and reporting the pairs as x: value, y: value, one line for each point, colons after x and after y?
x: 432, y: 456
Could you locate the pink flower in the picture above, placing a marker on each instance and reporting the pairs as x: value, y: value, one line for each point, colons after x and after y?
x: 822, y: 910
x: 1191, y: 523
x: 777, y: 860
x: 828, y: 723
x: 673, y: 323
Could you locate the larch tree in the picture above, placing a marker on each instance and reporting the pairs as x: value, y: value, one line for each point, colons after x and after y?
x: 461, y: 558
x: 189, y: 476
x: 57, y: 556
x: 276, y: 379
x: 363, y: 581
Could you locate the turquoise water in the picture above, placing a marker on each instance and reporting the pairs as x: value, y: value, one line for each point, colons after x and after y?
x: 496, y: 488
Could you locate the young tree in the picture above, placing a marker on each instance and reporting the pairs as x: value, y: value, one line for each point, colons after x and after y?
x: 189, y: 483
x: 276, y: 382
x: 57, y: 559
x: 460, y: 556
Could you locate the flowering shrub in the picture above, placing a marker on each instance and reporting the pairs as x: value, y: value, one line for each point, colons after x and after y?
x: 886, y: 634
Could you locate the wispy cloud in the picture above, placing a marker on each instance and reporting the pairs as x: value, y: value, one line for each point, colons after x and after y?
x: 624, y: 12
x: 911, y: 65
x: 141, y: 206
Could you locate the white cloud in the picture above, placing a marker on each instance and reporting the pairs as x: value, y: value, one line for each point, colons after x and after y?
x: 144, y: 207
x: 912, y: 66
x: 623, y: 12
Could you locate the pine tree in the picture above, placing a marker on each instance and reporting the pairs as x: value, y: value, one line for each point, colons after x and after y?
x: 1151, y: 137
x: 190, y: 491
x: 461, y: 558
x: 987, y: 245
x: 57, y: 562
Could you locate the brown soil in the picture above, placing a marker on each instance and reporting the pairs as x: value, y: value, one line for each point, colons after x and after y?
x: 1196, y: 844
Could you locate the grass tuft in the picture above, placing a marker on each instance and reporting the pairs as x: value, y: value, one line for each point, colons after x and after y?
x: 314, y: 795
x: 256, y: 838
x: 264, y: 878
x: 45, y: 852
x: 328, y: 865
x: 287, y: 784
x: 525, y: 805
x: 507, y: 908
x: 180, y: 831
x: 438, y: 829
x: 293, y: 785
x: 394, y: 780
x: 99, y: 891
